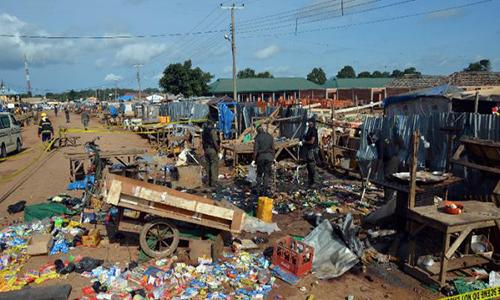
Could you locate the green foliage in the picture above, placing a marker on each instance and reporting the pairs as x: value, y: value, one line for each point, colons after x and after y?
x: 364, y: 74
x: 317, y: 75
x: 482, y: 65
x: 250, y: 73
x: 346, y: 72
x: 183, y: 79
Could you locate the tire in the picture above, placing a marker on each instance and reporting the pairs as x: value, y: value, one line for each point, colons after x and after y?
x: 164, y: 246
x: 19, y: 146
x: 3, y: 151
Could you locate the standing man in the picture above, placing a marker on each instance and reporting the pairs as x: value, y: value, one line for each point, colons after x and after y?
x: 263, y: 155
x: 66, y: 113
x: 211, y: 147
x: 85, y: 119
x: 310, y: 143
x: 45, y: 129
x: 56, y: 109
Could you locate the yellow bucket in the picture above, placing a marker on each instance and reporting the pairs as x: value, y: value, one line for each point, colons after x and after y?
x: 164, y: 119
x: 265, y: 209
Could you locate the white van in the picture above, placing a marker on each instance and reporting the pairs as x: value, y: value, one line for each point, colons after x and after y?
x: 10, y: 134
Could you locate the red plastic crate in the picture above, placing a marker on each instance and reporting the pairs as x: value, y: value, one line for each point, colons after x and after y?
x: 293, y: 256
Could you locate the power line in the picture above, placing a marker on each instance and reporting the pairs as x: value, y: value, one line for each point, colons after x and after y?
x: 299, y: 18
x: 336, y: 16
x: 374, y: 21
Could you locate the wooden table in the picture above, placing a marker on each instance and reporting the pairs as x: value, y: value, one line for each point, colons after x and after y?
x: 475, y: 215
x: 123, y: 156
x: 238, y: 149
x: 424, y: 192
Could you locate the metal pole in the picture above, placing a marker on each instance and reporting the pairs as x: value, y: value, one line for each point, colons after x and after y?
x: 233, y: 45
x: 138, y: 66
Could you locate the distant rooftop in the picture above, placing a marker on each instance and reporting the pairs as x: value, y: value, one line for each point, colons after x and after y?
x: 420, y: 82
x: 357, y: 83
x: 475, y: 79
x: 269, y: 85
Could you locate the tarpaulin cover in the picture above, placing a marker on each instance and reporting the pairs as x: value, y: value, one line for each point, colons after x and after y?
x: 226, y: 119
x: 81, y: 184
x: 45, y: 210
x: 113, y: 111
x: 332, y: 257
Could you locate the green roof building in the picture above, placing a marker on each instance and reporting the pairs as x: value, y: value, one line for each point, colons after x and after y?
x: 250, y: 89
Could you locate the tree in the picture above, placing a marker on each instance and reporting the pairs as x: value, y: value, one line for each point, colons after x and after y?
x: 412, y: 71
x: 397, y: 73
x: 317, y: 75
x: 246, y: 73
x: 72, y: 95
x: 183, y: 79
x: 364, y: 74
x: 250, y: 73
x: 482, y: 65
x: 377, y: 74
x: 265, y: 74
x: 346, y: 72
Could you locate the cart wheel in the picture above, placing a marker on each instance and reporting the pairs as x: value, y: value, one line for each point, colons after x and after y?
x: 159, y: 238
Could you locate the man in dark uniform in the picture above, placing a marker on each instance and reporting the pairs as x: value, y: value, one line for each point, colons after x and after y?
x: 66, y: 113
x: 85, y: 119
x: 45, y: 128
x: 310, y: 143
x: 263, y: 155
x: 211, y: 147
x: 56, y: 109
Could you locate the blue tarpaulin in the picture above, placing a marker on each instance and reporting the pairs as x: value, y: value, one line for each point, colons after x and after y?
x: 125, y: 98
x: 226, y: 119
x: 113, y: 111
x: 81, y: 184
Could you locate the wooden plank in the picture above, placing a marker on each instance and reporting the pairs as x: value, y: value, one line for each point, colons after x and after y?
x: 114, y: 192
x: 182, y: 202
x: 459, y: 263
x: 444, y: 261
x: 469, y: 164
x: 413, y: 170
x: 133, y: 204
x: 458, y: 241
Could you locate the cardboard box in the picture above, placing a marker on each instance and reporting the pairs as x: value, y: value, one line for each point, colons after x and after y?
x: 92, y: 239
x: 40, y: 244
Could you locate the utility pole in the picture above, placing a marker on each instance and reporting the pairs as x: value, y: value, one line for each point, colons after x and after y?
x: 138, y: 67
x: 27, y: 71
x: 233, y: 45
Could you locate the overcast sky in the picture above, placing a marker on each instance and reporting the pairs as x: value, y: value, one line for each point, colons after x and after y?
x: 370, y: 36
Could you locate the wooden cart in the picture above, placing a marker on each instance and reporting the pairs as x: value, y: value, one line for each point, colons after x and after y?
x: 160, y: 208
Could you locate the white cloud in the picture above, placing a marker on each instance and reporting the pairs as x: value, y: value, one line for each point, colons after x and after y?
x: 445, y: 14
x: 139, y: 53
x: 157, y: 76
x: 113, y: 77
x: 38, y: 52
x: 267, y: 52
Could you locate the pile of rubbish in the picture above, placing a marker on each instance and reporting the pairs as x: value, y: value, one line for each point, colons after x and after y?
x: 20, y: 240
x: 237, y: 276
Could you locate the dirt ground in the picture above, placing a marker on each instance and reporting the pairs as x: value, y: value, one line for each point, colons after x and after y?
x: 51, y: 178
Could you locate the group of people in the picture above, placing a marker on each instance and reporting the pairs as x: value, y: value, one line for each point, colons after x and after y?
x: 263, y: 154
x: 45, y: 128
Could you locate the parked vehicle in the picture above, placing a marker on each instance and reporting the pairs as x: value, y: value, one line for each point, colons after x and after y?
x: 10, y: 134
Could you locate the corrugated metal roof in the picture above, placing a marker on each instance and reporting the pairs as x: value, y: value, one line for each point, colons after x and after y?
x: 444, y: 90
x: 356, y: 83
x: 254, y: 85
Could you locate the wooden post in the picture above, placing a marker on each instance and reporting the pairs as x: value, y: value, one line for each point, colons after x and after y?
x: 413, y: 169
x: 476, y: 103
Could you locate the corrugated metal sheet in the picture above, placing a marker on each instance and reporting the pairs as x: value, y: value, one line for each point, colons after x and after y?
x: 470, y: 124
x: 184, y: 110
